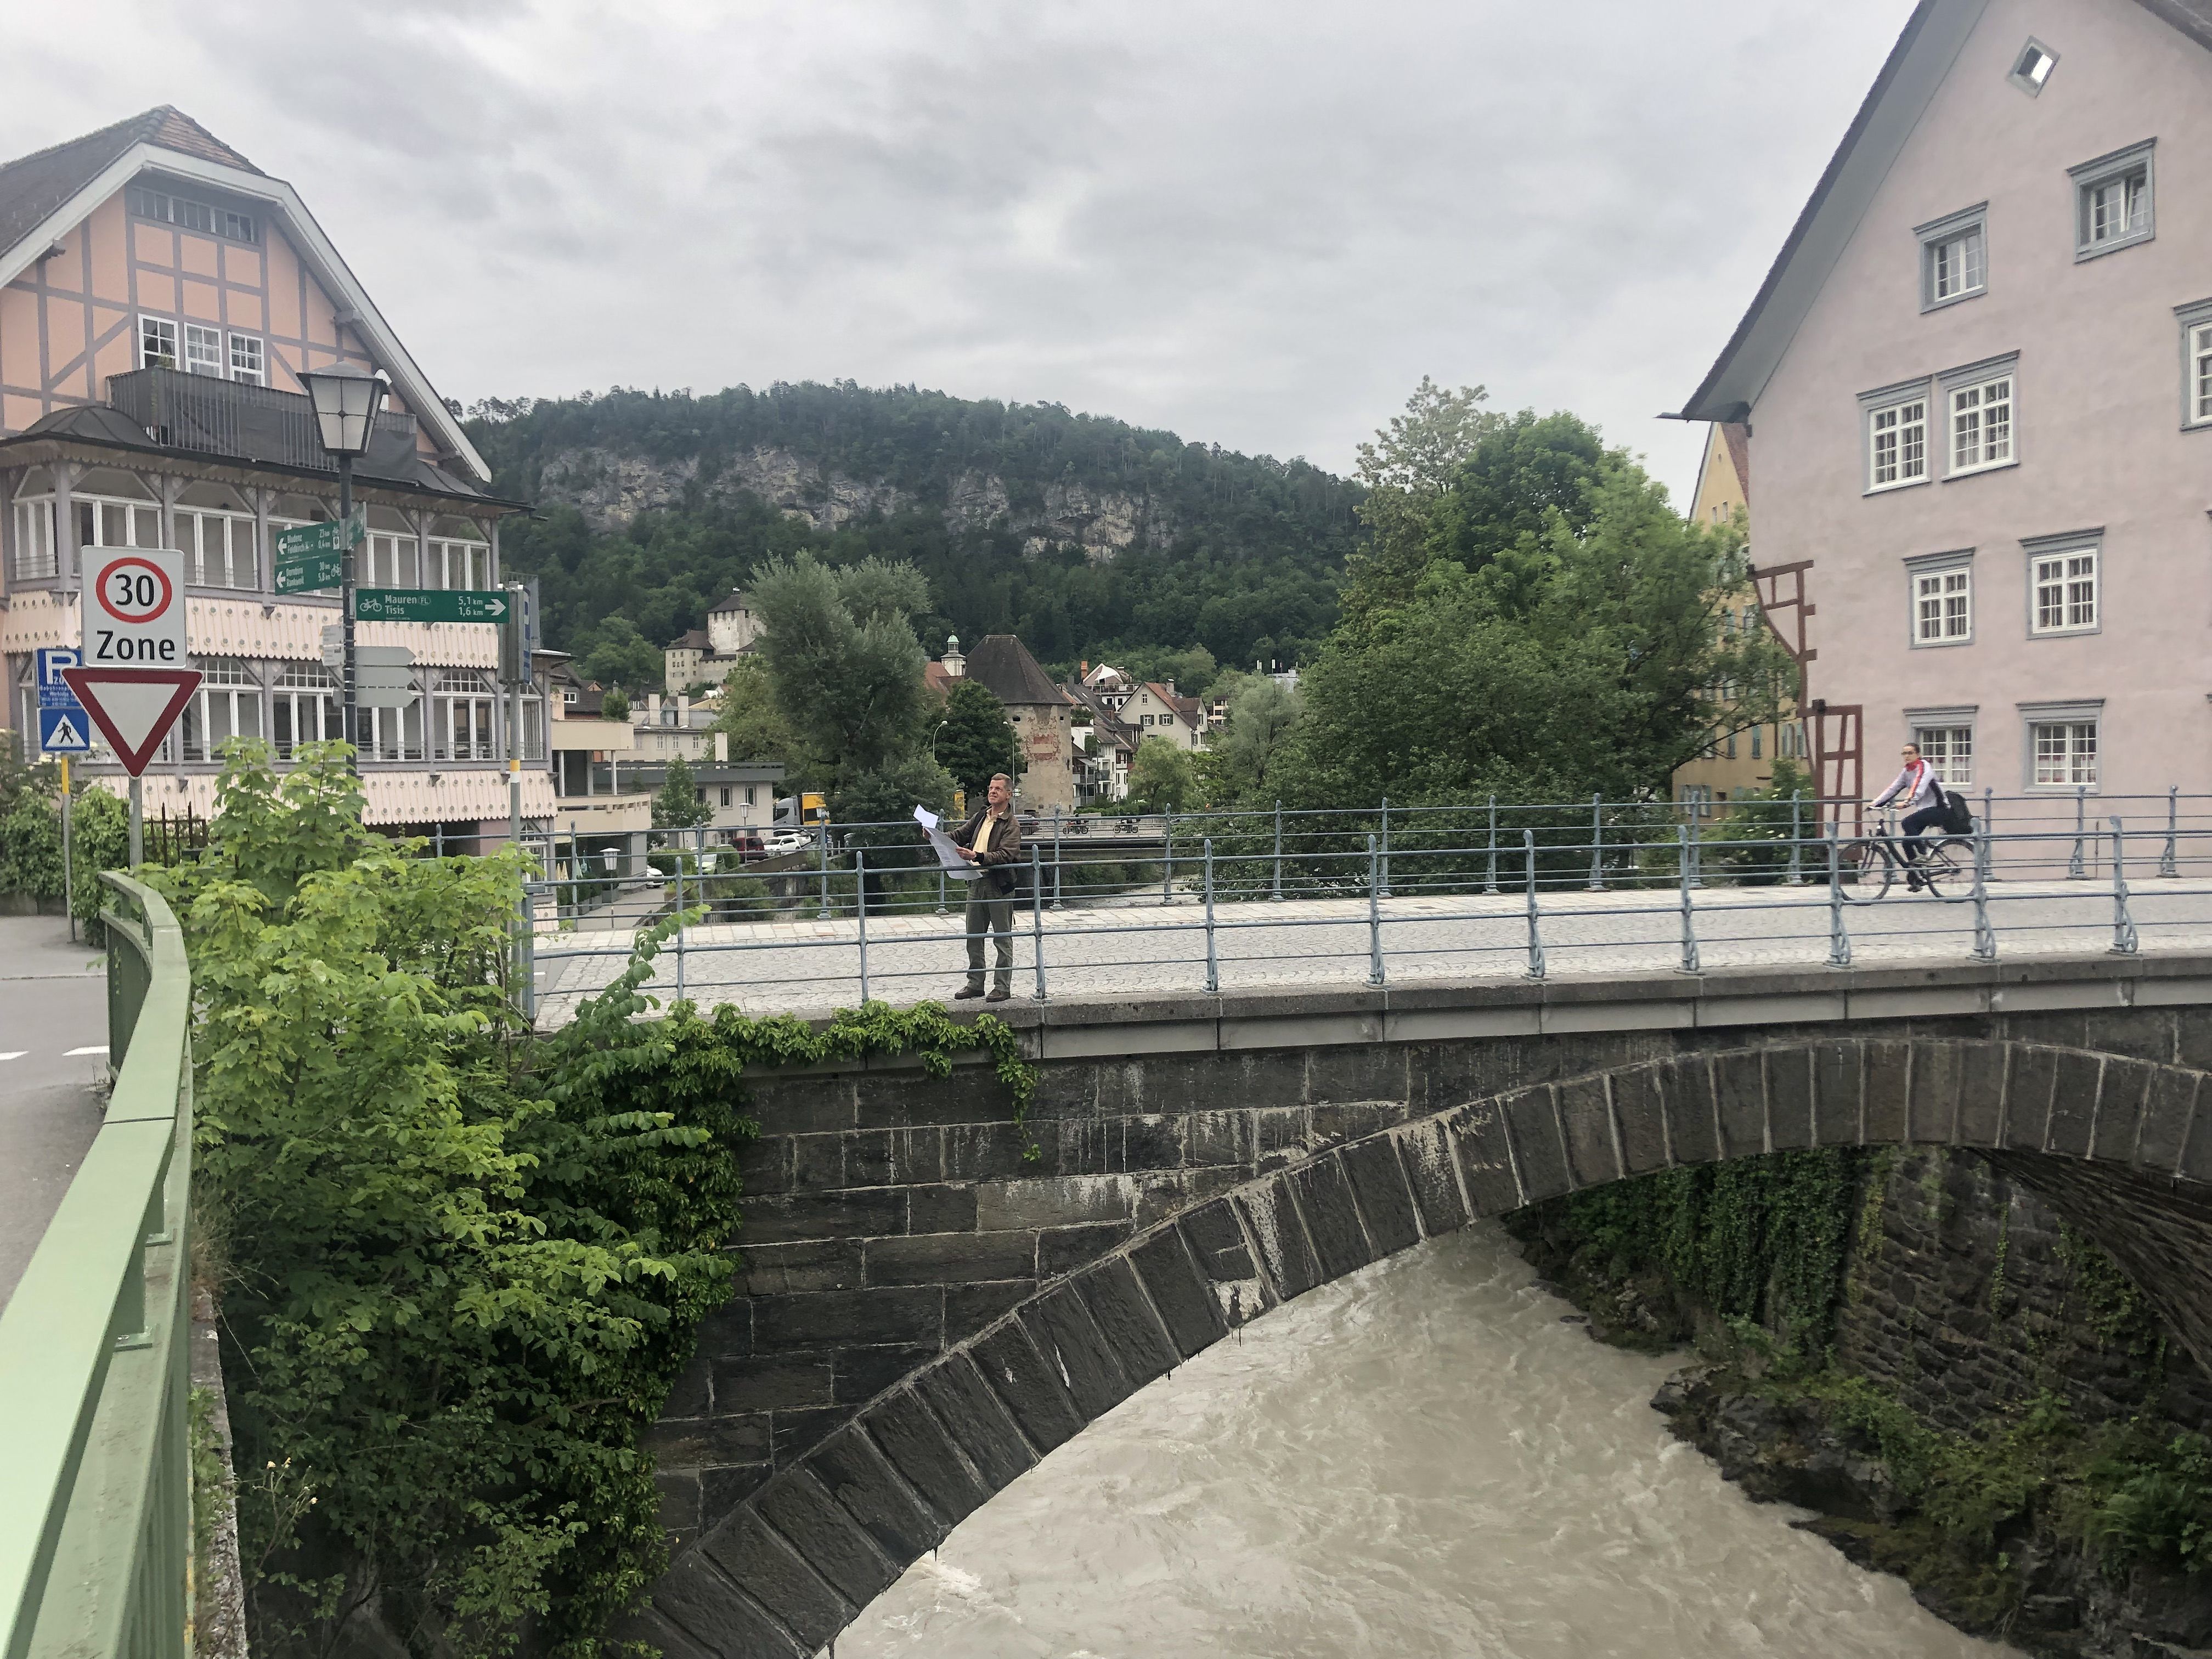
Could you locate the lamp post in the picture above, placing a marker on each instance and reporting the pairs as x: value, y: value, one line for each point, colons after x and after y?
x: 346, y: 401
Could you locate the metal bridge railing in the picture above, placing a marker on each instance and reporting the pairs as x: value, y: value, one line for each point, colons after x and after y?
x: 1205, y: 901
x: 95, y: 1485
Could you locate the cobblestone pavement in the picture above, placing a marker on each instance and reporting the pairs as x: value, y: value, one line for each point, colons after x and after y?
x: 800, y: 966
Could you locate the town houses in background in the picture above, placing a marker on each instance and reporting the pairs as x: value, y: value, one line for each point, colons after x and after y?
x: 1977, y: 384
x: 160, y: 295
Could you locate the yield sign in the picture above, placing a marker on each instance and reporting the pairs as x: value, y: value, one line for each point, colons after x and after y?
x: 133, y: 708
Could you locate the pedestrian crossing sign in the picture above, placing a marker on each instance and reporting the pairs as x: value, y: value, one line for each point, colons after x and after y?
x: 64, y: 731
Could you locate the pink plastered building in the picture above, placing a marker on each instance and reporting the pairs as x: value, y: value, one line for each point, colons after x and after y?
x: 1978, y: 386
x: 159, y: 296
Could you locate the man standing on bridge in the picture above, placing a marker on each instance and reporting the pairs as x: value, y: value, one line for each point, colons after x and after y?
x: 992, y: 840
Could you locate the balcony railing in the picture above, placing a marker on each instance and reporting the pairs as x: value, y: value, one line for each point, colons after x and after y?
x: 95, y: 1527
x: 246, y: 423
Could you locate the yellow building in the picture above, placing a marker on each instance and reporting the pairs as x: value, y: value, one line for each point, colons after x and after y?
x: 1743, y: 760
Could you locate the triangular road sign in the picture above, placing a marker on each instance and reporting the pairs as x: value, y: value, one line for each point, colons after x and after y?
x: 133, y: 708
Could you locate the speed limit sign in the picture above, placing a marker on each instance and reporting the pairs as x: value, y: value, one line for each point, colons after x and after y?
x: 134, y: 608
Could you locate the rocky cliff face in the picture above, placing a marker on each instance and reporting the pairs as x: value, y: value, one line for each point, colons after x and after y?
x: 610, y: 489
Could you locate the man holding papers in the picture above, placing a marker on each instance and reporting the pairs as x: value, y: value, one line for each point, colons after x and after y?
x: 991, y: 840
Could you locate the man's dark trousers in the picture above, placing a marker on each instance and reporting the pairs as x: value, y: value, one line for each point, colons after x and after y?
x: 996, y: 916
x: 1913, y: 824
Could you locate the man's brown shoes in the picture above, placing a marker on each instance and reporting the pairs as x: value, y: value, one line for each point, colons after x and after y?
x: 998, y: 995
x: 967, y: 991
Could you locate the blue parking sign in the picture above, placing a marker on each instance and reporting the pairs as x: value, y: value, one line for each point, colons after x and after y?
x: 53, y: 690
x: 64, y: 731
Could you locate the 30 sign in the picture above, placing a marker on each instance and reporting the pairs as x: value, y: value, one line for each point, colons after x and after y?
x: 134, y: 613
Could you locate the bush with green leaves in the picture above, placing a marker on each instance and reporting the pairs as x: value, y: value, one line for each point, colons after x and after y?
x: 466, y: 1262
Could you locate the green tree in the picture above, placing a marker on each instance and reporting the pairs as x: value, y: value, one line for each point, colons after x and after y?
x: 877, y: 809
x: 615, y: 653
x: 1408, y: 470
x: 843, y: 656
x: 1751, y: 844
x: 1240, y: 763
x: 614, y: 704
x: 1584, y: 658
x: 678, y: 804
x: 30, y: 824
x: 756, y: 723
x: 1161, y: 777
x: 977, y: 739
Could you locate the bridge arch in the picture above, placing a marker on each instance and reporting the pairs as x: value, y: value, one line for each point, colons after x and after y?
x: 2113, y: 1142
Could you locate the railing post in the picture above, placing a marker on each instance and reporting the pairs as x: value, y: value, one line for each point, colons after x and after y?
x: 1374, y: 916
x: 1489, y: 869
x: 1055, y: 858
x: 1989, y: 814
x: 1384, y: 869
x: 825, y: 827
x: 2123, y: 924
x: 2167, y: 864
x: 1213, y: 962
x: 1277, y: 895
x: 861, y: 886
x: 1167, y: 870
x: 940, y: 892
x: 1037, y: 922
x: 1985, y: 938
x: 1596, y: 882
x: 1697, y: 853
x: 1536, y: 941
x: 1796, y: 838
x: 1839, y: 941
x: 679, y: 920
x: 2073, y: 870
x: 1691, y: 963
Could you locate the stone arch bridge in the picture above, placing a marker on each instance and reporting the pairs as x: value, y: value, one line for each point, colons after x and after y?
x: 923, y: 1313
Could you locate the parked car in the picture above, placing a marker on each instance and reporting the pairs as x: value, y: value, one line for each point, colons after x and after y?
x: 746, y: 843
x: 784, y: 842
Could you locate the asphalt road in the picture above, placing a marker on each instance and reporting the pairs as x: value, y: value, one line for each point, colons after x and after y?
x: 53, y: 1001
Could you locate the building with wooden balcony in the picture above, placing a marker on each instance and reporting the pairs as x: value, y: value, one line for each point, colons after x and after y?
x: 160, y: 295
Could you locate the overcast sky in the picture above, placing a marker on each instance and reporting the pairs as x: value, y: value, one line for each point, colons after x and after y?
x: 1257, y: 224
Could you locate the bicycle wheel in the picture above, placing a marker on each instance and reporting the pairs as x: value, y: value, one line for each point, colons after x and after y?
x: 1950, y: 859
x: 1865, y: 868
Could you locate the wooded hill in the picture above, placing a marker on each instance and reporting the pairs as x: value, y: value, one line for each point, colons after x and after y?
x: 1078, y: 533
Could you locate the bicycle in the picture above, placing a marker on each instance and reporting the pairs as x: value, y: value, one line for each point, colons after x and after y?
x: 1867, y: 868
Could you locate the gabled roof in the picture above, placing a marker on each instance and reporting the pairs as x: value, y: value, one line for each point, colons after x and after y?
x: 1916, y: 67
x: 697, y: 640
x: 46, y: 195
x: 1002, y: 664
x: 1186, y: 708
x: 737, y: 600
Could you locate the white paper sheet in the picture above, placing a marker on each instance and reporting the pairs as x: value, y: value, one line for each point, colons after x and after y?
x: 948, y: 856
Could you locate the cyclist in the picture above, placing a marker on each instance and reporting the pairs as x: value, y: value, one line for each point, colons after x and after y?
x: 1923, y: 806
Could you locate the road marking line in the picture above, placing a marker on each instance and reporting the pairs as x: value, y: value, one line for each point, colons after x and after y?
x: 15, y: 1053
x: 97, y: 1049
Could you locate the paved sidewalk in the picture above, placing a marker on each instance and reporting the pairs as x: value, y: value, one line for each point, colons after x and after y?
x: 53, y: 1001
x: 806, y: 966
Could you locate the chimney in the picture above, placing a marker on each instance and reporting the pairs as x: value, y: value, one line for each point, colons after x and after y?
x: 684, y: 712
x: 1083, y: 668
x: 653, y: 707
x: 721, y: 749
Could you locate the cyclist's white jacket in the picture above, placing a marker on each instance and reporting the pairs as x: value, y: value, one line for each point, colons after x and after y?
x: 1917, y: 784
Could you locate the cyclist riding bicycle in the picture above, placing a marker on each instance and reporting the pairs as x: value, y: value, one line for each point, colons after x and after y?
x: 1923, y: 804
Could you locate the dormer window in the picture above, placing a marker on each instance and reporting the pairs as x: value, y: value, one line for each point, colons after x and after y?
x: 2031, y: 71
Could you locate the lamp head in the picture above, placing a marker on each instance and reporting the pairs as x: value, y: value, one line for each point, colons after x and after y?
x: 347, y: 399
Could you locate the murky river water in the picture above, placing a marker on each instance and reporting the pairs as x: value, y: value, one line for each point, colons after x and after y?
x: 1422, y: 1460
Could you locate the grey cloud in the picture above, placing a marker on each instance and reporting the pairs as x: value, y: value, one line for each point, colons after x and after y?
x: 1258, y: 226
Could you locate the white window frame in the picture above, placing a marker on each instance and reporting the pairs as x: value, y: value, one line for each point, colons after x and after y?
x: 1946, y: 580
x: 1966, y: 231
x: 203, y: 350
x: 1945, y: 738
x: 2030, y: 69
x: 1893, y: 417
x: 36, y: 554
x: 249, y: 360
x: 391, y: 558
x: 465, y: 721
x: 2066, y: 565
x: 1984, y: 404
x: 240, y: 568
x: 2091, y: 179
x: 228, y: 686
x: 159, y: 345
x: 2196, y: 322
x: 298, y: 685
x: 392, y: 734
x: 2055, y: 743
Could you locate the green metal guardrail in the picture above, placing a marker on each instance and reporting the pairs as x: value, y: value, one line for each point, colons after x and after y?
x: 95, y: 1485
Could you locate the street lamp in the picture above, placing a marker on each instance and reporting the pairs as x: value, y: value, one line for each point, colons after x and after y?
x: 346, y: 400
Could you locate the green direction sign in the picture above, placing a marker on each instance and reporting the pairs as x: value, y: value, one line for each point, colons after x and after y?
x: 430, y: 604
x: 307, y: 573
x: 332, y: 538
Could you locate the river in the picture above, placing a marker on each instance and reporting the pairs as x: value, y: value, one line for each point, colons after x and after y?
x: 1424, y: 1460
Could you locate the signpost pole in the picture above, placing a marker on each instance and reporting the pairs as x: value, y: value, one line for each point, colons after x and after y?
x: 349, y: 713
x: 137, y: 823
x: 69, y: 871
